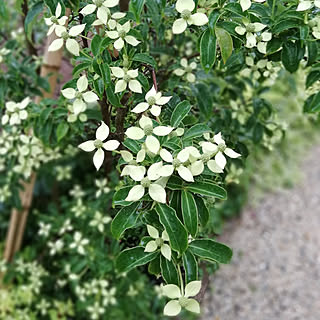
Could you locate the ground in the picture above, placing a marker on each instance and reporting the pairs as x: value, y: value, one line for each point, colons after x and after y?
x: 275, y: 271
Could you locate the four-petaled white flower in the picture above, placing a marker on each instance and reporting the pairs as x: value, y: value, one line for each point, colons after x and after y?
x: 99, y: 221
x: 246, y: 4
x: 64, y: 35
x: 102, y: 7
x: 102, y: 186
x: 112, y: 20
x: 44, y: 229
x: 55, y: 247
x: 80, y: 96
x: 154, y: 100
x: 121, y: 36
x: 132, y: 168
x: 156, y: 191
x: 185, y: 7
x: 306, y: 5
x: 181, y: 299
x: 78, y: 243
x: 186, y: 70
x: 216, y: 146
x: 126, y: 78
x: 95, y: 311
x: 254, y: 37
x: 158, y: 241
x: 147, y: 129
x: 55, y: 20
x: 15, y: 112
x: 102, y: 134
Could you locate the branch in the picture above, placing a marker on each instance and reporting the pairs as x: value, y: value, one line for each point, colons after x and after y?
x: 31, y: 49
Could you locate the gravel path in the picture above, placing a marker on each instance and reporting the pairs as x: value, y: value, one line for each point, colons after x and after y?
x: 275, y: 272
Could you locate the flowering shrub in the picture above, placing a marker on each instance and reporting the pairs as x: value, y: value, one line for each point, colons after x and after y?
x: 167, y: 94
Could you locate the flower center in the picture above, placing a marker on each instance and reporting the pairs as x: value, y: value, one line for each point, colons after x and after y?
x: 99, y: 3
x: 185, y: 14
x: 64, y: 35
x: 188, y: 69
x: 54, y: 20
x: 122, y: 33
x: 222, y: 147
x: 205, y: 157
x: 145, y: 182
x: 250, y: 27
x: 176, y: 163
x: 78, y: 95
x: 159, y: 242
x: 126, y: 78
x: 183, y: 301
x: 151, y: 101
x: 148, y: 129
x: 98, y: 143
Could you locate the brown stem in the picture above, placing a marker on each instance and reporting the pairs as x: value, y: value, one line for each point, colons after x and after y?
x: 154, y: 79
x: 124, y: 5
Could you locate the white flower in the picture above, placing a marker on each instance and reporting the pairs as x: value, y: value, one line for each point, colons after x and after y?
x: 154, y: 100
x: 55, y: 247
x: 43, y: 307
x: 254, y: 35
x: 102, y: 134
x: 315, y: 25
x: 156, y: 191
x: 99, y: 221
x: 218, y: 148
x: 80, y: 96
x: 77, y: 192
x: 132, y: 168
x: 121, y: 36
x: 96, y: 310
x: 153, y: 245
x: 112, y: 20
x: 102, y: 7
x: 79, y: 243
x: 15, y: 112
x: 63, y: 172
x: 64, y: 35
x: 66, y: 227
x: 44, y: 229
x: 127, y: 78
x: 109, y: 297
x: 306, y: 5
x: 146, y: 129
x: 186, y: 70
x: 185, y: 7
x: 246, y: 4
x: 3, y: 52
x: 102, y: 186
x: 55, y: 20
x: 182, y: 300
x: 78, y: 113
x: 79, y: 208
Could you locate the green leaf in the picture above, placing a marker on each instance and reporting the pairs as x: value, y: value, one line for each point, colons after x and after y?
x: 62, y: 130
x: 44, y: 115
x: 111, y: 96
x: 136, y: 6
x: 196, y: 131
x: 106, y: 74
x: 208, y: 47
x: 312, y: 77
x: 189, y: 212
x: 225, y: 43
x: 177, y: 233
x: 213, y: 19
x: 190, y: 266
x: 125, y: 219
x: 169, y: 271
x: 31, y: 18
x: 179, y: 113
x: 120, y: 195
x: 203, y: 211
x: 133, y: 257
x: 145, y: 58
x: 291, y: 55
x: 312, y: 104
x: 211, y: 250
x: 95, y: 44
x: 207, y: 189
x: 154, y: 266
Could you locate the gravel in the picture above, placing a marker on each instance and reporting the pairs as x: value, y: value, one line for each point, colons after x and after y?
x: 275, y: 271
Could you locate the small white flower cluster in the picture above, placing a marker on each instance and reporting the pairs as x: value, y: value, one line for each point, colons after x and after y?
x: 15, y: 113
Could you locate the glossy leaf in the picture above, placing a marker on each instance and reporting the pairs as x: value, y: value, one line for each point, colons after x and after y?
x: 189, y: 212
x: 207, y: 189
x: 179, y: 113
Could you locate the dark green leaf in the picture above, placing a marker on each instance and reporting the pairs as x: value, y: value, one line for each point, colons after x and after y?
x: 62, y: 130
x: 208, y: 45
x: 169, y: 271
x: 179, y: 113
x: 225, y: 43
x: 190, y: 266
x: 95, y: 44
x: 202, y: 211
x: 145, y: 58
x: 189, y: 212
x: 196, y: 131
x: 207, y: 189
x: 291, y: 55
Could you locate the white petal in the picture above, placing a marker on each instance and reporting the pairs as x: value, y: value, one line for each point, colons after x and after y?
x: 102, y: 132
x: 166, y: 251
x: 166, y: 171
x: 141, y: 155
x: 126, y: 155
x: 179, y: 26
x: 165, y: 236
x: 166, y: 155
x: 192, y: 289
x: 117, y: 72
x: 262, y: 47
x: 179, y: 72
x: 151, y: 246
x: 258, y: 26
x: 245, y: 4
x: 69, y: 93
x: 184, y: 62
x: 135, y: 86
x: 154, y: 171
x: 79, y: 106
x: 172, y: 308
x: 121, y: 85
x: 240, y: 30
x: 152, y: 144
x: 131, y: 40
x: 111, y: 145
x: 135, y: 133
x: 193, y: 306
x: 141, y: 107
x: 232, y: 154
x: 136, y: 193
x: 171, y: 291
x: 76, y: 30
x: 136, y: 173
x: 119, y: 44
x: 208, y: 147
x: 191, y: 77
x: 58, y: 10
x: 88, y: 9
x: 56, y: 45
x: 73, y: 47
x: 199, y: 19
x: 145, y: 121
x: 162, y: 131
x: 82, y: 83
x: 185, y: 5
x: 126, y: 27
x: 133, y: 73
x: 51, y: 29
x: 155, y: 110
x: 163, y: 100
x: 151, y: 93
x: 212, y: 165
x: 111, y: 3
x: 304, y: 5
x: 157, y: 193
x: 98, y: 158
x: 183, y: 155
x: 103, y: 14
x: 90, y: 97
x: 218, y: 139
x: 153, y: 232
x: 185, y: 174
x: 87, y: 146
x: 59, y: 30
x: 113, y: 35
x: 220, y: 160
x: 196, y: 168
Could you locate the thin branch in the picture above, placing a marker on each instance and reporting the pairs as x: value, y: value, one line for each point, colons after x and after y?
x: 31, y: 49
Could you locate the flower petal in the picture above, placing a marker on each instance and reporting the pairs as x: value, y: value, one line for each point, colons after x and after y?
x: 196, y: 168
x: 218, y: 138
x: 166, y: 155
x: 152, y: 144
x: 192, y: 289
x: 153, y: 232
x: 166, y: 171
x: 151, y: 246
x: 113, y: 35
x: 162, y: 131
x: 220, y: 160
x: 145, y: 121
x: 179, y: 26
x: 157, y: 193
x: 98, y: 158
x: 88, y: 9
x: 232, y: 154
x: 163, y: 100
x: 102, y: 132
x: 136, y: 193
x: 171, y: 291
x: 141, y: 107
x: 69, y: 93
x: 90, y: 97
x: 103, y: 14
x: 119, y: 44
x: 117, y: 72
x: 111, y: 145
x: 172, y: 308
x: 56, y: 45
x: 126, y: 155
x: 245, y: 4
x: 155, y: 110
x: 151, y: 93
x: 212, y: 165
x: 193, y: 306
x: 73, y: 47
x: 76, y: 30
x: 131, y: 40
x: 82, y: 83
x: 135, y: 133
x: 166, y: 251
x: 111, y: 3
x: 58, y: 10
x: 185, y: 5
x: 133, y: 73
x: 199, y: 19
x: 136, y: 173
x: 135, y: 86
x: 154, y: 171
x: 87, y: 146
x: 121, y: 85
x: 185, y: 174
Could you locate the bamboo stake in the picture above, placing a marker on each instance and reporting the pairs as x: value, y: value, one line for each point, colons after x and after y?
x: 18, y: 220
